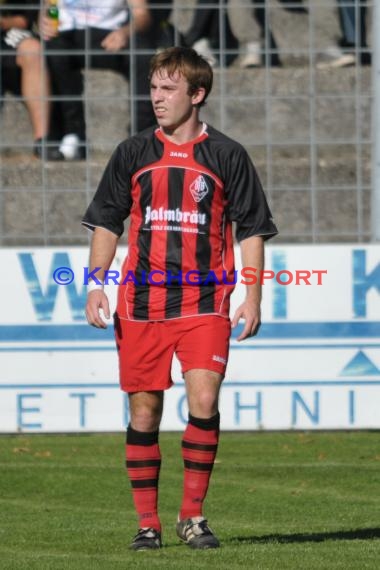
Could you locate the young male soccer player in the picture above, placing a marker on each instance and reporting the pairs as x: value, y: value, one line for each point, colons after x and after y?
x: 182, y: 183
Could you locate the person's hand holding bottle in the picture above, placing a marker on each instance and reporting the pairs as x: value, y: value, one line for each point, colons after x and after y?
x: 49, y: 21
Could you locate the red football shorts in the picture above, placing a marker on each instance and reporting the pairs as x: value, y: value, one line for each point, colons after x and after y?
x: 146, y: 349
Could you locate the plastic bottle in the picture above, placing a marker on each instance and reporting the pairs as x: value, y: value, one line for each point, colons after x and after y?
x: 53, y: 13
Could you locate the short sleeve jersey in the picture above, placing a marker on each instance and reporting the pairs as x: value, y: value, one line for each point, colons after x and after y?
x: 182, y: 200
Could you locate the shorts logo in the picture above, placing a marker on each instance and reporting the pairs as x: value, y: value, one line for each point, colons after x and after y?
x: 198, y: 188
x: 219, y: 359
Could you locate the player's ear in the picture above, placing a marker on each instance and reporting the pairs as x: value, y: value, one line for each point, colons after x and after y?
x: 198, y: 96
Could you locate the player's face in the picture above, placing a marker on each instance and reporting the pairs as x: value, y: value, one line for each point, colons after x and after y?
x: 172, y: 104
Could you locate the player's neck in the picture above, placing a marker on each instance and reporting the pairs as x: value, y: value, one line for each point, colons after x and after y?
x: 184, y: 133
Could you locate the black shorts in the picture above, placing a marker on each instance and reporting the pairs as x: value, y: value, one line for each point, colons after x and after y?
x: 10, y: 71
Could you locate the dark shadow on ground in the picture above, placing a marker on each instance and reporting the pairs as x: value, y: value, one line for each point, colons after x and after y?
x: 357, y: 534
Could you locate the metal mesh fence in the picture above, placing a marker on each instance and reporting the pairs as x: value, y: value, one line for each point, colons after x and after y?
x: 306, y: 123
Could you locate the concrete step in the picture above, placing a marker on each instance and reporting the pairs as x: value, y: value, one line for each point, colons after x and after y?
x: 257, y: 107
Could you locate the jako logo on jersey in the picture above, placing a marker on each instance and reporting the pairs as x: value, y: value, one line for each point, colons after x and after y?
x: 198, y: 188
x: 178, y: 154
x: 177, y: 215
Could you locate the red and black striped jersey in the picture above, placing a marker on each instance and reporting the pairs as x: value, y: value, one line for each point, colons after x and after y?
x: 182, y: 200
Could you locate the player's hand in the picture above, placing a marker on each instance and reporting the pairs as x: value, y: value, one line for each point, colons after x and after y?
x: 47, y: 27
x: 251, y: 314
x: 97, y: 300
x: 116, y: 40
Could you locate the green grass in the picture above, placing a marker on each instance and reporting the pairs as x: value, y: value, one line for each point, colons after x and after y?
x: 277, y: 501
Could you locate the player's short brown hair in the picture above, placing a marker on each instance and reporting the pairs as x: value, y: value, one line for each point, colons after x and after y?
x: 192, y: 66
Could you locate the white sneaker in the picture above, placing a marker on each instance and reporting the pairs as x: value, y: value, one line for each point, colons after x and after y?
x: 203, y: 47
x: 70, y: 147
x: 335, y: 58
x: 252, y: 57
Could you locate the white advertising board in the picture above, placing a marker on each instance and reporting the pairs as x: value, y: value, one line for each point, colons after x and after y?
x: 315, y: 363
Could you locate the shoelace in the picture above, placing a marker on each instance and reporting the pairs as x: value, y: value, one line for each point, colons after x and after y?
x: 202, y: 525
x: 144, y: 532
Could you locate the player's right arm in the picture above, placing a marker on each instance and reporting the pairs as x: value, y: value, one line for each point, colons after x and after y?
x: 102, y: 252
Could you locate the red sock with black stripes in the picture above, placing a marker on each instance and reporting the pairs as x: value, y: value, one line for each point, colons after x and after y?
x: 199, y: 447
x: 143, y: 461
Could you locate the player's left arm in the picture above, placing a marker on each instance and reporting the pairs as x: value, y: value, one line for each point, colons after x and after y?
x: 252, y: 255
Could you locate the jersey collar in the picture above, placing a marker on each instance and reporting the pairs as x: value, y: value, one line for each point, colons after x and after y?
x: 202, y: 135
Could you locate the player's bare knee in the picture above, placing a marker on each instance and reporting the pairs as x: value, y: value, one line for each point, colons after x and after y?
x: 145, y: 420
x: 145, y: 415
x: 205, y: 405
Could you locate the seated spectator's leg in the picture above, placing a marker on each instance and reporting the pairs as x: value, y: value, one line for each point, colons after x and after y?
x: 202, y: 22
x: 24, y: 73
x: 347, y: 22
x: 10, y: 73
x: 203, y: 35
x: 353, y: 27
x: 352, y: 20
x: 366, y: 54
x: 222, y: 37
x: 142, y: 110
x: 34, y: 85
x: 107, y: 59
x: 144, y: 116
x: 67, y: 82
x: 165, y: 32
x: 160, y: 10
x: 363, y: 27
x: 262, y: 18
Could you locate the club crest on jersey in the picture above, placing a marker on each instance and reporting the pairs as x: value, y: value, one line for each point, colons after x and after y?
x: 198, y: 188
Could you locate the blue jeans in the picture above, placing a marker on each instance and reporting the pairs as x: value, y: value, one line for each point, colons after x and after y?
x: 352, y: 23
